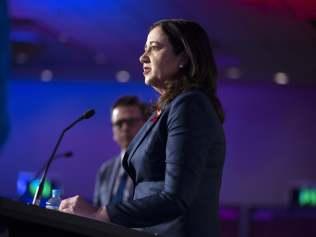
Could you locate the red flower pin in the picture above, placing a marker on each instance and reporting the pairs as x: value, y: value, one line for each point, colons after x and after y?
x: 156, y: 116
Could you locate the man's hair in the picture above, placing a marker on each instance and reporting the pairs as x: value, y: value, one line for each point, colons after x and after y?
x: 128, y: 100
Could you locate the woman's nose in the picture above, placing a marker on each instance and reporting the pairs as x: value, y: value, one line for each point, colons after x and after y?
x: 143, y: 58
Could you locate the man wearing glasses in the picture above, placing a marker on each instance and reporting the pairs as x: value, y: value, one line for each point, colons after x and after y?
x: 112, y: 183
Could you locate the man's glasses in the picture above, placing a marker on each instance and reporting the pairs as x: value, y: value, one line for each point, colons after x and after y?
x: 129, y: 122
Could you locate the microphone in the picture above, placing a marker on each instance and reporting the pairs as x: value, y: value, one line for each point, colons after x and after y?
x: 86, y: 115
x: 67, y: 154
x: 38, y: 193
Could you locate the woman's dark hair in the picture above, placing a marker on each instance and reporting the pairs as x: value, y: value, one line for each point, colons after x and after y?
x: 200, y: 70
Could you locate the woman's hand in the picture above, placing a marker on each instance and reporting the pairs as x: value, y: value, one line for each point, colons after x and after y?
x: 78, y: 206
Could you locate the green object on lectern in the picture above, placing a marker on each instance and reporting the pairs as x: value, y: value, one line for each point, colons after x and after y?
x: 46, y: 190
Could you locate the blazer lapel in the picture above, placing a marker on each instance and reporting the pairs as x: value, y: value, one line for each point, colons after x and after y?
x: 139, y: 139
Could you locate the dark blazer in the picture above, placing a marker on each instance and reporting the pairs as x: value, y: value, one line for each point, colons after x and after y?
x: 176, y: 164
x: 105, y: 181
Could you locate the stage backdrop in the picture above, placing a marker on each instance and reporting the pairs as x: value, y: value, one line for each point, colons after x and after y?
x: 270, y: 130
x: 4, y: 67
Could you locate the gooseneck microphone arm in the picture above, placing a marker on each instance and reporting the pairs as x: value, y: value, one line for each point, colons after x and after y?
x: 38, y: 193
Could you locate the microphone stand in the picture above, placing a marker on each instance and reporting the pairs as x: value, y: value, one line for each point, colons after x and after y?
x: 38, y: 194
x: 67, y: 154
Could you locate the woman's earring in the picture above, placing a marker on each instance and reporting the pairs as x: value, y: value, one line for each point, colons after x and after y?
x: 181, y: 66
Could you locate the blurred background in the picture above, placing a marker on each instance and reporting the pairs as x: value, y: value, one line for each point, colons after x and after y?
x: 61, y: 58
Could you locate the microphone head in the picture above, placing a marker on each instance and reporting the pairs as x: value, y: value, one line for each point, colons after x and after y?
x: 88, y: 114
x: 68, y: 154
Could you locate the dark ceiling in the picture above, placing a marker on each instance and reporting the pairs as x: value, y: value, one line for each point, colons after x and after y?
x: 253, y: 39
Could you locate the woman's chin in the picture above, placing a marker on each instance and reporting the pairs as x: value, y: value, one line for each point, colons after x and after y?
x: 148, y: 81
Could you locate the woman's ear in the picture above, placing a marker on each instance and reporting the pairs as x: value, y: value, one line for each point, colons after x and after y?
x: 183, y: 60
